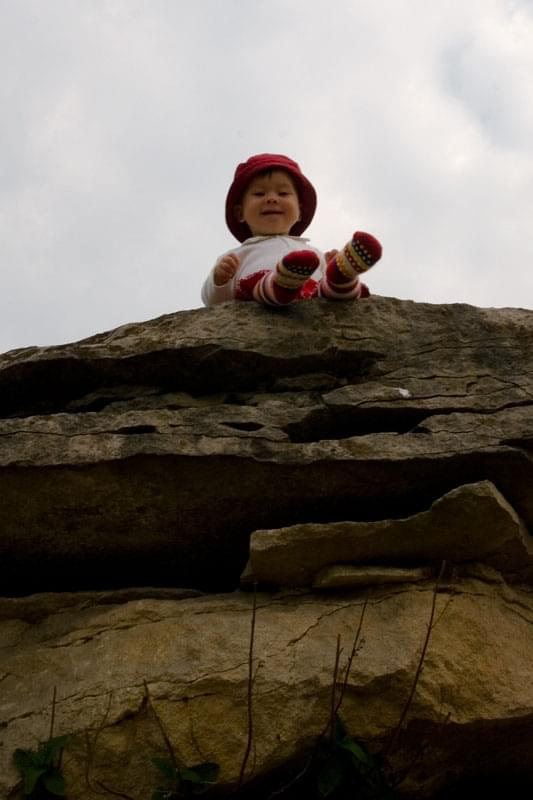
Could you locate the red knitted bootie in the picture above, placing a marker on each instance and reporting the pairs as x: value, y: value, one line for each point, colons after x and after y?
x: 281, y: 286
x: 341, y: 281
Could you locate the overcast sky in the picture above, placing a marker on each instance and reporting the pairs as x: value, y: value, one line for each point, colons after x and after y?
x: 123, y: 121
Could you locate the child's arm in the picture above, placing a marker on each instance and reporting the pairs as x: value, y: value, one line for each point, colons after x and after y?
x: 225, y: 269
x: 219, y: 286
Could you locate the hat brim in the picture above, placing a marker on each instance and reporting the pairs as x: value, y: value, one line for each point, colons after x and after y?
x: 306, y: 196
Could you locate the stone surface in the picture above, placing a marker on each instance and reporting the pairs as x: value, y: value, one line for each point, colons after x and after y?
x: 363, y: 441
x: 148, y: 454
x: 347, y: 577
x: 193, y: 655
x: 471, y: 523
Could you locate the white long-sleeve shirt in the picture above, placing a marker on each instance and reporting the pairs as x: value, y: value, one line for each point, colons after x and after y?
x: 256, y: 253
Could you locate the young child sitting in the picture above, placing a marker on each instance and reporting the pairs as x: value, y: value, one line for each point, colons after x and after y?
x: 269, y: 204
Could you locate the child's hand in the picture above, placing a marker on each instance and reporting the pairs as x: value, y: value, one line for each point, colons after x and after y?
x: 329, y: 255
x: 225, y: 269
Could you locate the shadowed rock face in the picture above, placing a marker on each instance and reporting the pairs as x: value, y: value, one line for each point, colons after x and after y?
x: 342, y: 451
x: 149, y: 454
x: 469, y: 524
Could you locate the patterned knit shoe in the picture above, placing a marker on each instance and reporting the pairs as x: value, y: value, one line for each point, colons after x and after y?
x: 284, y: 284
x: 295, y: 268
x: 358, y: 255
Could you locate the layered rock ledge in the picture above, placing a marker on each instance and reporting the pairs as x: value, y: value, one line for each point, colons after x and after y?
x: 339, y: 458
x: 149, y: 454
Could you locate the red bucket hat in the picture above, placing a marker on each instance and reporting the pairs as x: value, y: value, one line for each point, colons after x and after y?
x: 248, y: 170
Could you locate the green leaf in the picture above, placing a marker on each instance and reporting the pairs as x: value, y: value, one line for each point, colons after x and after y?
x: 54, y: 782
x: 340, y: 730
x: 165, y: 767
x: 359, y: 754
x: 31, y: 775
x: 201, y: 773
x: 52, y: 748
x: 23, y: 759
x: 331, y: 775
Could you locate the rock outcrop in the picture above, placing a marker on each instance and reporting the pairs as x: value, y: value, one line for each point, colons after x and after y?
x: 469, y: 524
x: 339, y: 457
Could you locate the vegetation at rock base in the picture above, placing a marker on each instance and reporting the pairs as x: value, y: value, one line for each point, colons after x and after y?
x: 40, y: 769
x: 339, y: 767
x: 185, y: 781
x: 180, y: 780
x: 345, y: 769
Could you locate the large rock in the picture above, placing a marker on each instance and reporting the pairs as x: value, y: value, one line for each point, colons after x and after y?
x: 148, y: 455
x: 355, y: 445
x: 193, y: 656
x: 471, y: 523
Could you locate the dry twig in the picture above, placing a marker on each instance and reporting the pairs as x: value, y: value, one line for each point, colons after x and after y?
x: 420, y: 665
x: 250, y: 691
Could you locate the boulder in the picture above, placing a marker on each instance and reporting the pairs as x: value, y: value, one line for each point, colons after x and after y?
x: 365, y: 464
x: 113, y: 663
x: 471, y: 523
x: 149, y: 454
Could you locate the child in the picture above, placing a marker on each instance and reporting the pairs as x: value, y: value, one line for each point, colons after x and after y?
x: 269, y: 204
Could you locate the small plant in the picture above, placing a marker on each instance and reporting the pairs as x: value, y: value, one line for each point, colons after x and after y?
x: 40, y: 769
x: 184, y: 781
x: 181, y: 781
x: 345, y: 769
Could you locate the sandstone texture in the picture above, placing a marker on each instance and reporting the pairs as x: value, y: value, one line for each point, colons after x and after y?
x: 193, y: 655
x: 364, y: 462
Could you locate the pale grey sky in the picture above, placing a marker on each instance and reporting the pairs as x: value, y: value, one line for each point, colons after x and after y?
x: 123, y: 122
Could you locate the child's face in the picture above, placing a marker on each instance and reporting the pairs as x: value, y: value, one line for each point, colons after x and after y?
x: 270, y: 204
